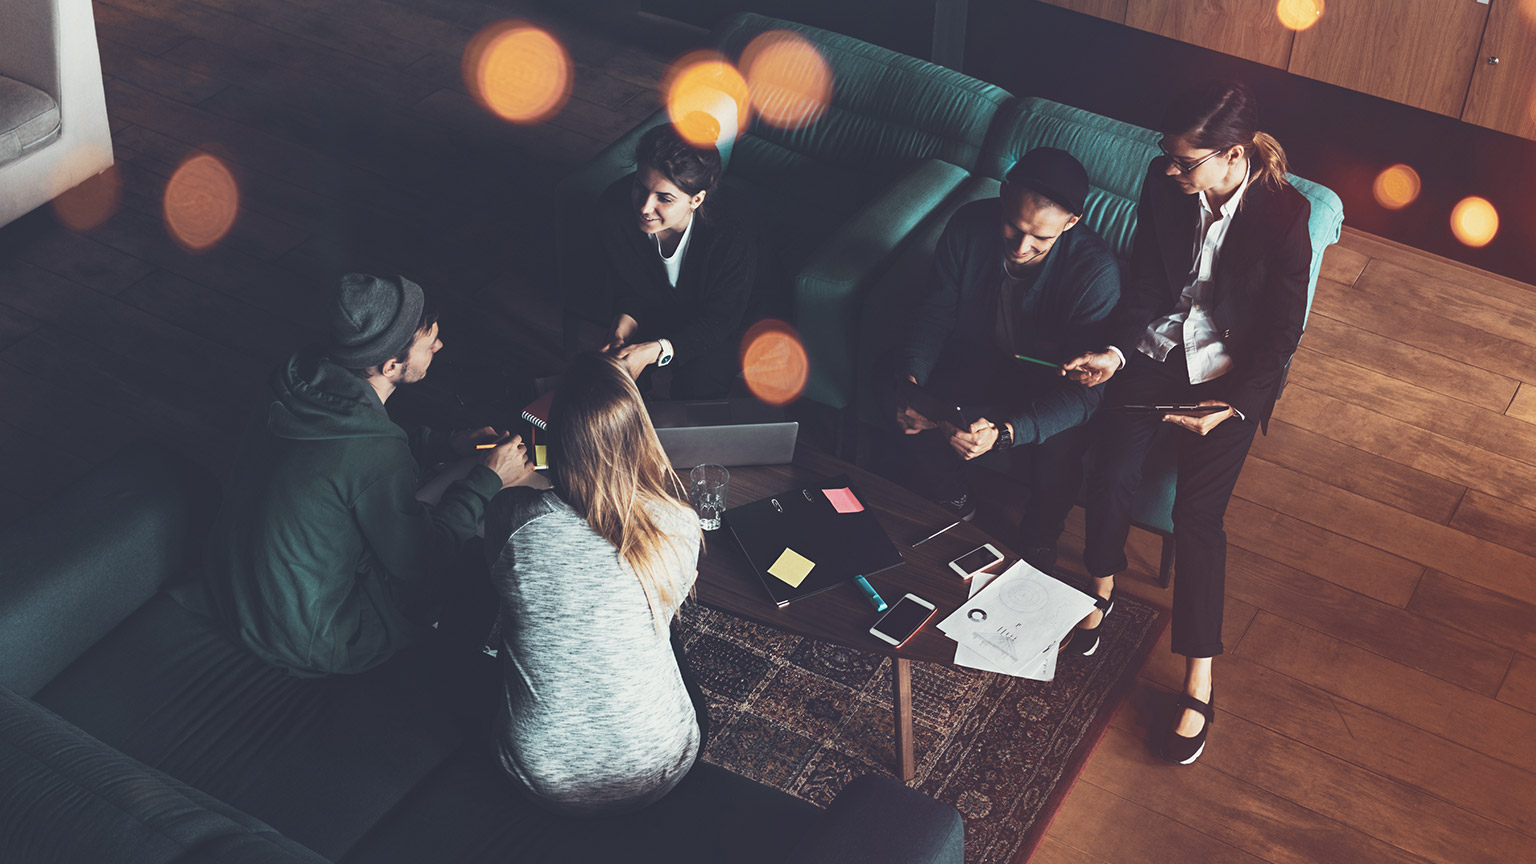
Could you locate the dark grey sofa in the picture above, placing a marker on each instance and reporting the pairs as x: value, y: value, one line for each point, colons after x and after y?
x: 134, y: 730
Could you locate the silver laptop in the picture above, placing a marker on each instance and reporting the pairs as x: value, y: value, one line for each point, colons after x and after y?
x: 729, y: 432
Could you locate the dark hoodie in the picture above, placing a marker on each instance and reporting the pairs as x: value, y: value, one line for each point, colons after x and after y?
x: 322, y: 559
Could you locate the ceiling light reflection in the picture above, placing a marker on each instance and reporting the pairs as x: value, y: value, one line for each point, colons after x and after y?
x: 1474, y: 221
x: 1298, y: 15
x: 703, y: 83
x: 91, y: 203
x: 789, y: 81
x: 1396, y: 187
x: 773, y: 362
x: 518, y: 72
x: 201, y: 202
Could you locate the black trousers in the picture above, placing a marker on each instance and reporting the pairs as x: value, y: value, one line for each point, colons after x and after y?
x: 926, y: 463
x: 1208, y: 468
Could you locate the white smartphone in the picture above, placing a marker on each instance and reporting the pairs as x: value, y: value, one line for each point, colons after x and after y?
x: 902, y: 621
x: 978, y: 560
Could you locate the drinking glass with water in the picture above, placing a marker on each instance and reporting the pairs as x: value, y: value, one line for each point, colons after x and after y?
x: 707, y: 486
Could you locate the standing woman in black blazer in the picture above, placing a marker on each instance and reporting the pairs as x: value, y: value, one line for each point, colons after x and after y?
x: 680, y: 269
x: 1211, y: 313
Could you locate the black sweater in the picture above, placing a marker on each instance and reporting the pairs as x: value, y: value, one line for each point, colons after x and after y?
x: 706, y: 307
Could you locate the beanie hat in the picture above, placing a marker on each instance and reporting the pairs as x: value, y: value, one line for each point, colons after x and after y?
x: 1054, y: 174
x: 374, y: 319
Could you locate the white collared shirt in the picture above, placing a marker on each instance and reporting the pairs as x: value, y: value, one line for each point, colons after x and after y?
x: 674, y: 264
x: 1190, y: 324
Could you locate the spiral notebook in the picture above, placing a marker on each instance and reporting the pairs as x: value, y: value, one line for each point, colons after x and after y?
x: 825, y: 524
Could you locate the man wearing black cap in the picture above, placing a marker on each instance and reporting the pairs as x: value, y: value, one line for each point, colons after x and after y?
x: 1013, y: 277
x: 322, y: 560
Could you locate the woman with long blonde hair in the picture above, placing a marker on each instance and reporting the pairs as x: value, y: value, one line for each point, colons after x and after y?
x: 595, y: 714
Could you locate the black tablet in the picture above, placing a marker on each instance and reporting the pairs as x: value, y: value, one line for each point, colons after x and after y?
x: 1171, y: 408
x: 924, y: 402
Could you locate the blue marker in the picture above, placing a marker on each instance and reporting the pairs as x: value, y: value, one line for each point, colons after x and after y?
x: 875, y: 599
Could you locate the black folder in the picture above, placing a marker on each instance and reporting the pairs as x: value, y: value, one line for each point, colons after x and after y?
x: 842, y: 545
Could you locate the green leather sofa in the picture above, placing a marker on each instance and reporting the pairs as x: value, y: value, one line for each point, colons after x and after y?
x: 854, y: 203
x: 135, y: 730
x: 836, y: 197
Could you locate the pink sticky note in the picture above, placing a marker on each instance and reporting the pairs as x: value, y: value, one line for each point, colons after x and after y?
x: 843, y: 500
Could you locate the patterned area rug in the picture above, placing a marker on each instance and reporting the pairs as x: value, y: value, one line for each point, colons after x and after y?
x: 807, y: 717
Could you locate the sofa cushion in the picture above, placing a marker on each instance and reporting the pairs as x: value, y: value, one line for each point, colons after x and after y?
x: 475, y: 815
x: 64, y: 796
x: 321, y: 760
x: 29, y: 118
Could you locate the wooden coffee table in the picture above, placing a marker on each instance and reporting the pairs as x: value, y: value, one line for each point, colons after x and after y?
x: 842, y: 614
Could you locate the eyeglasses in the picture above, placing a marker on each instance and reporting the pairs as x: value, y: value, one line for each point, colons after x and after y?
x: 1183, y: 168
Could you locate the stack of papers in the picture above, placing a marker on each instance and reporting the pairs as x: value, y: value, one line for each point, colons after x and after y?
x: 1013, y: 622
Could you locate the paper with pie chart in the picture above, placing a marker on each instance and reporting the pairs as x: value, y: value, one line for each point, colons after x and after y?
x: 1009, y: 624
x: 1044, y: 669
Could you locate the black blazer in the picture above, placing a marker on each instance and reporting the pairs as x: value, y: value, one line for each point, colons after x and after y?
x: 1260, y: 281
x: 708, y: 305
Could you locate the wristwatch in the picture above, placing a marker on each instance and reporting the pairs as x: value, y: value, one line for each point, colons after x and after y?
x: 1004, y: 437
x: 666, y: 353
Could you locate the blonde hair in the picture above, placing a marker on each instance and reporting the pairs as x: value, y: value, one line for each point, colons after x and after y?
x: 1273, y: 166
x: 609, y: 466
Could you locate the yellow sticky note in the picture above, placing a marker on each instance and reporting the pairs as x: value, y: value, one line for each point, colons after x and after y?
x: 791, y: 568
x: 540, y: 455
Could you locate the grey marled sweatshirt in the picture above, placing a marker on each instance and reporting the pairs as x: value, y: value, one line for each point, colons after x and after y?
x: 595, y: 716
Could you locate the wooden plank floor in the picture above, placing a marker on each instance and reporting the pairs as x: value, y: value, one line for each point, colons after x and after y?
x: 1379, y: 698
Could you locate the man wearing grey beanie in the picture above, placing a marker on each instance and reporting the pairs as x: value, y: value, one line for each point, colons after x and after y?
x: 322, y: 560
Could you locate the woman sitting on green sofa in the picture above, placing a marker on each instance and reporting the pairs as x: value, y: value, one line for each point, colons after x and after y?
x: 681, y: 269
x: 595, y: 715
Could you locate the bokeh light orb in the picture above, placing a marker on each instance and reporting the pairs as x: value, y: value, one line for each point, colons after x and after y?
x: 91, y: 203
x: 201, y: 202
x: 1396, y: 187
x: 773, y: 362
x: 705, y: 97
x: 789, y: 82
x: 1298, y: 15
x: 518, y: 72
x: 1474, y: 221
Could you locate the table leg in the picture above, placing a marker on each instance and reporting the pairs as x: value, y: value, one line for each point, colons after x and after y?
x: 902, y: 699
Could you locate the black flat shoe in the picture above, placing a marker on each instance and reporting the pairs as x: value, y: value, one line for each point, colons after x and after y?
x: 1085, y: 640
x: 1182, y: 750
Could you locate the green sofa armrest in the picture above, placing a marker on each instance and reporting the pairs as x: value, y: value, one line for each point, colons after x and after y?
x: 82, y: 562
x: 1324, y: 225
x: 827, y: 290
x: 65, y: 796
x: 876, y: 820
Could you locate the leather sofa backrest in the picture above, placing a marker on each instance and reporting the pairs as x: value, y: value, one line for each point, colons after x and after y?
x: 1114, y: 153
x: 1116, y: 156
x: 884, y: 106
